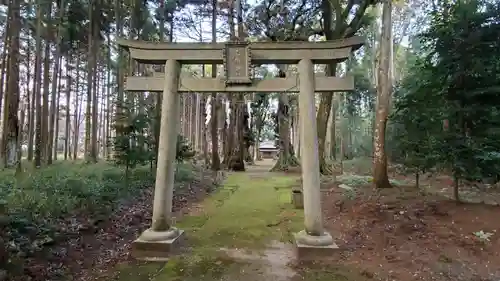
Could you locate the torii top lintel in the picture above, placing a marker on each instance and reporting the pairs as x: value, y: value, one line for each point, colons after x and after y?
x: 257, y: 52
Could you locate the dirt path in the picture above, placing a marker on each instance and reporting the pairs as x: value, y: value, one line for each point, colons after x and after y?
x: 243, y: 232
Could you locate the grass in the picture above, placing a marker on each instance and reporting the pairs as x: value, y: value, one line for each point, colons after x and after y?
x: 247, y: 213
x: 34, y: 204
x: 244, y: 213
x: 239, y: 214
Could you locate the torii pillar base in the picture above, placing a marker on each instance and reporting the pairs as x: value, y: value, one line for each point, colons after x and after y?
x: 159, y: 250
x: 310, y: 247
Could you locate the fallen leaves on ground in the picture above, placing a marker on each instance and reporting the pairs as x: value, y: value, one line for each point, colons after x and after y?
x: 405, y: 234
x: 86, y: 245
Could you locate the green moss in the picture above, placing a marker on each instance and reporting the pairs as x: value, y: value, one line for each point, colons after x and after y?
x: 246, y: 212
x: 197, y: 267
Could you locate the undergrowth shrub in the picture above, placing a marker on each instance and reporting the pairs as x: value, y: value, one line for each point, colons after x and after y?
x: 354, y: 180
x: 184, y: 150
x: 62, y: 188
x: 33, y: 207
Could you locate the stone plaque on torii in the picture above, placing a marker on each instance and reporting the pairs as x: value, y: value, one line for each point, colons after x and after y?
x: 237, y: 58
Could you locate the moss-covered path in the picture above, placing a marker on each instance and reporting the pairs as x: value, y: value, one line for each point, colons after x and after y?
x: 243, y: 232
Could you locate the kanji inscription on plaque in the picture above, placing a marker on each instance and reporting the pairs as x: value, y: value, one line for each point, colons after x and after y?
x: 237, y: 63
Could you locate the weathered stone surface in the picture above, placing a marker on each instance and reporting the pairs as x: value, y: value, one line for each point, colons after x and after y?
x: 209, y: 85
x: 310, y: 247
x: 159, y: 250
x: 297, y: 199
x: 237, y: 57
x: 313, y: 221
x: 262, y: 52
x: 306, y: 54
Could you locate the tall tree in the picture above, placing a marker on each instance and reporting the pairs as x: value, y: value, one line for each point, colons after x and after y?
x: 384, y: 90
x: 38, y: 90
x: 215, y: 100
x: 94, y: 42
x: 55, y: 80
x: 337, y: 26
x: 12, y: 128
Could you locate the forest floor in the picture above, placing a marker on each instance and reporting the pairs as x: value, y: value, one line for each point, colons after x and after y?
x: 244, y: 230
x: 409, y: 234
x: 74, y: 221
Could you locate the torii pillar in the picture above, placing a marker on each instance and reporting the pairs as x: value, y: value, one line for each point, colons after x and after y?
x: 162, y: 237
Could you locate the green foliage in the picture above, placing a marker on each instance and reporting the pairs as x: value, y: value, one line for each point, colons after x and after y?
x: 35, y: 210
x: 455, y: 81
x: 355, y: 181
x: 61, y: 188
x: 269, y: 20
x: 132, y: 146
x: 184, y: 150
x: 355, y: 111
x: 135, y: 144
x: 35, y: 205
x: 260, y: 114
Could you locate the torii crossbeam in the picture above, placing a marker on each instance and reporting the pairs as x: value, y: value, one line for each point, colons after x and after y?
x: 237, y: 58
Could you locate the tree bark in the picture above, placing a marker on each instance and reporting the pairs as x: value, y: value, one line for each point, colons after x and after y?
x: 193, y: 114
x: 286, y: 155
x: 55, y: 79
x: 57, y: 115
x: 120, y: 117
x: 78, y: 104
x: 109, y: 106
x: 380, y: 177
x: 12, y: 128
x: 46, y: 88
x: 215, y: 101
x: 340, y: 29
x: 330, y: 136
x: 324, y: 111
x: 68, y: 114
x: 38, y: 90
x: 90, y: 83
x: 203, y: 126
x: 214, y: 130
x: 94, y: 51
x: 31, y: 104
x: 4, y: 66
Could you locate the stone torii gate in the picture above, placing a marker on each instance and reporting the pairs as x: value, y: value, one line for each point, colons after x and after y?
x: 237, y: 58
